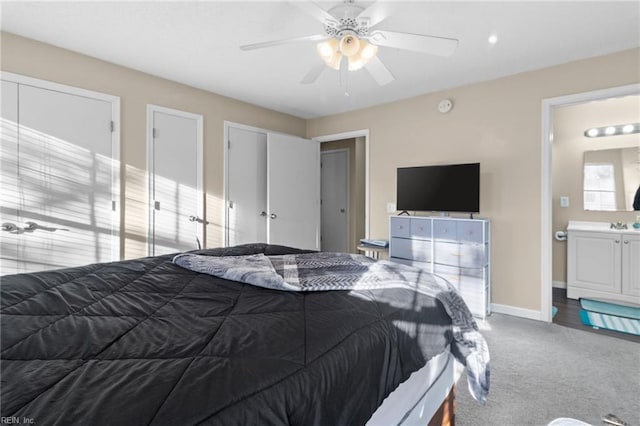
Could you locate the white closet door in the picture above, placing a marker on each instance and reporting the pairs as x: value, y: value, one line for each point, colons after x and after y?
x: 293, y: 188
x: 246, y: 187
x: 9, y: 178
x: 176, y: 219
x: 63, y: 189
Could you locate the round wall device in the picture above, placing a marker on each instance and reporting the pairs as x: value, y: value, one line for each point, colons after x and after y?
x: 445, y: 106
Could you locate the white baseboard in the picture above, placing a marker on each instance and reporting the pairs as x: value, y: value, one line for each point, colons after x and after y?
x: 559, y: 284
x: 516, y: 312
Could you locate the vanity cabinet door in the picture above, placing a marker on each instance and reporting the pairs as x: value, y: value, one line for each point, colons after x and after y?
x: 631, y: 265
x: 594, y: 261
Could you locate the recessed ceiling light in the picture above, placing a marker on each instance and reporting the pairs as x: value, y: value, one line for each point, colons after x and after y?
x: 628, y: 128
x: 609, y: 130
x: 493, y: 39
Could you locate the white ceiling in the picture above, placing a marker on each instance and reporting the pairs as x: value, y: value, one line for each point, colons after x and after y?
x: 197, y: 43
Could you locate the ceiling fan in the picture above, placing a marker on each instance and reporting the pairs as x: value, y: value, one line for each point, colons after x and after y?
x: 351, y: 42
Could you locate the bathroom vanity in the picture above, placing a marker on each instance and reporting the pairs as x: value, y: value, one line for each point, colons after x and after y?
x: 603, y: 262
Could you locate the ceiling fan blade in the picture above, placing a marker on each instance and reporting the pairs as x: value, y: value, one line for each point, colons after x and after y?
x: 378, y: 71
x: 374, y: 14
x: 315, y: 11
x: 261, y: 45
x: 313, y: 73
x: 441, y: 46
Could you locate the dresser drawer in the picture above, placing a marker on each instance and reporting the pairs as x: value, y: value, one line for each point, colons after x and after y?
x: 445, y: 230
x: 400, y: 260
x: 400, y: 227
x: 473, y: 285
x: 422, y: 265
x: 421, y: 229
x: 466, y: 255
x: 477, y: 307
x: 456, y: 249
x: 411, y: 249
x: 459, y: 273
x: 471, y: 231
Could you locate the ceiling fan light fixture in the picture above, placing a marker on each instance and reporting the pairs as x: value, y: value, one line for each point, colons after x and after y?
x: 368, y: 50
x: 355, y: 62
x: 334, y: 61
x: 327, y: 49
x: 349, y: 45
x: 360, y: 59
x: 329, y: 52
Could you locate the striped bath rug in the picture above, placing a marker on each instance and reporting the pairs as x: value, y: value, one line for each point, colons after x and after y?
x: 609, y: 315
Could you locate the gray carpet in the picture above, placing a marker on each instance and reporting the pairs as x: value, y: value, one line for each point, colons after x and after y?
x: 540, y: 372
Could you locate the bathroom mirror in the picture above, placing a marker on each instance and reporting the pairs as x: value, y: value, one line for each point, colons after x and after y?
x: 611, y: 178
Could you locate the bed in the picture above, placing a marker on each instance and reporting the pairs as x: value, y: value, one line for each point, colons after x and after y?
x: 150, y: 341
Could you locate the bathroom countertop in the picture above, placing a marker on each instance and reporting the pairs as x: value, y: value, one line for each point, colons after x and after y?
x: 600, y: 227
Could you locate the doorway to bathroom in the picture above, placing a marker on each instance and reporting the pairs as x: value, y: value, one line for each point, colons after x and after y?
x: 565, y: 122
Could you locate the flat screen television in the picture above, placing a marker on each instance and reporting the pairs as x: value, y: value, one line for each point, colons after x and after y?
x: 441, y: 188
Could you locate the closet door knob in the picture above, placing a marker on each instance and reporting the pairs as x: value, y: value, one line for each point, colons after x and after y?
x: 273, y: 216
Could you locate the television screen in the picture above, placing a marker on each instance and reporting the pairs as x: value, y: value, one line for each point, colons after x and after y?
x: 443, y: 188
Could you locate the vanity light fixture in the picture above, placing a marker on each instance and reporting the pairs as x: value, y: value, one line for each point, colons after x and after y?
x: 620, y: 129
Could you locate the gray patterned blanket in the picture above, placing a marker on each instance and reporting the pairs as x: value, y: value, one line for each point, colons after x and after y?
x: 340, y: 271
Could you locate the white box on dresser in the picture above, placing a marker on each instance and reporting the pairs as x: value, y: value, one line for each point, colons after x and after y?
x: 603, y: 263
x: 456, y: 249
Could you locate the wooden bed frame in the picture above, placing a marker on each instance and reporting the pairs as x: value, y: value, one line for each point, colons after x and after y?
x: 446, y: 414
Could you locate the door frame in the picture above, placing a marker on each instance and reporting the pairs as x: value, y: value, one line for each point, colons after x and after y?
x: 546, y: 254
x: 117, y: 243
x: 348, y: 210
x: 199, y: 169
x: 355, y: 134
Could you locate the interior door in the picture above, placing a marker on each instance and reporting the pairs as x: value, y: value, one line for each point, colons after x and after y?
x: 334, y: 204
x: 61, y: 187
x: 293, y: 187
x: 246, y: 187
x: 176, y: 218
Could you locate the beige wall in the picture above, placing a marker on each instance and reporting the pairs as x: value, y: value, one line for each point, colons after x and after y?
x: 569, y: 147
x: 497, y: 123
x: 136, y: 90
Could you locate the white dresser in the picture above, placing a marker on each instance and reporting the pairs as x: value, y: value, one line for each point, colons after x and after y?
x: 456, y: 249
x: 603, y: 263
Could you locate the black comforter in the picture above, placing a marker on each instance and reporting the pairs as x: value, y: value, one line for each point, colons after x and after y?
x: 147, y: 342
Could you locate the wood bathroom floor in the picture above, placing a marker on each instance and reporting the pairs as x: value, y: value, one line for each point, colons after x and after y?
x: 568, y: 315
